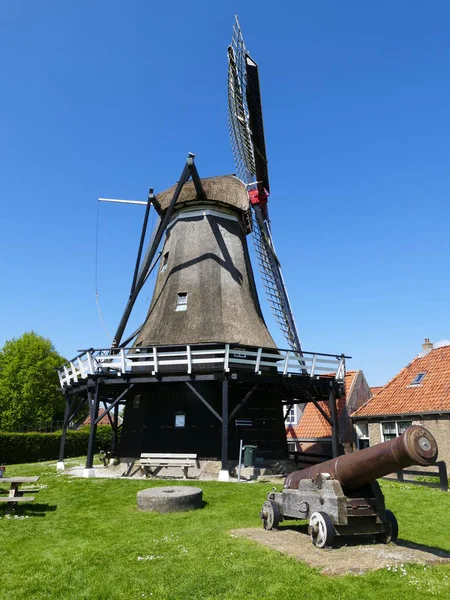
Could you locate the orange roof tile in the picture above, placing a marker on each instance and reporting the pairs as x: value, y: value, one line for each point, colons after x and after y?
x: 103, y: 421
x: 374, y: 390
x: 312, y: 424
x: 399, y: 397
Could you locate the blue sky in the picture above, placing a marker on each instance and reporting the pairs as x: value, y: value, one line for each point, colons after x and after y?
x: 106, y: 98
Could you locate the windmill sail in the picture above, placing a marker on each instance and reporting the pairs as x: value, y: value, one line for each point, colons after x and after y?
x: 249, y: 151
x: 238, y: 123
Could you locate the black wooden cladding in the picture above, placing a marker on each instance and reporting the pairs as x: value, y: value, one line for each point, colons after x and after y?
x: 150, y: 426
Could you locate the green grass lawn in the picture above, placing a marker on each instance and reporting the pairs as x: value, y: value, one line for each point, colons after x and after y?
x: 85, y: 539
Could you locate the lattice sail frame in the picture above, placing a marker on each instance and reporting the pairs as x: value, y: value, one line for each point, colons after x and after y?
x: 238, y: 114
x: 246, y: 169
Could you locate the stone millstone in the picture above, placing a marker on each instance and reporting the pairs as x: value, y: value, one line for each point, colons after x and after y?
x: 170, y: 499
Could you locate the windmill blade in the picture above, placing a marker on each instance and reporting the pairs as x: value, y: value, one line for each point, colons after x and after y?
x: 256, y: 124
x: 238, y: 117
x: 272, y: 279
x: 246, y: 127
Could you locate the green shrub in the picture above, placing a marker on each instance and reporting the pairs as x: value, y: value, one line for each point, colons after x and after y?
x: 18, y: 448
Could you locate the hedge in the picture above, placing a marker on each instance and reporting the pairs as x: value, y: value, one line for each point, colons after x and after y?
x: 18, y: 448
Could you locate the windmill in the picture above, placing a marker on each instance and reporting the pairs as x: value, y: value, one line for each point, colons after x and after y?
x: 202, y: 372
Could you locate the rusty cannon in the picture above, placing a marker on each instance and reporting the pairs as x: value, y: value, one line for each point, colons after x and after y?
x: 341, y: 497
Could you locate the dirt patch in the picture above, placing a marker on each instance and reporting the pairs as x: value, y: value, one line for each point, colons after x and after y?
x: 352, y: 558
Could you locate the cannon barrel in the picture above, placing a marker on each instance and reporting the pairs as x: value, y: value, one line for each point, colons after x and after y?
x: 416, y: 446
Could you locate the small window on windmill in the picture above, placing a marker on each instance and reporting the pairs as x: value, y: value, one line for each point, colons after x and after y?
x: 137, y: 401
x: 164, y: 262
x: 180, y: 420
x: 181, y: 301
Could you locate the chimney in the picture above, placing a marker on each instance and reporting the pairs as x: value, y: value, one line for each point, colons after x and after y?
x: 427, y: 345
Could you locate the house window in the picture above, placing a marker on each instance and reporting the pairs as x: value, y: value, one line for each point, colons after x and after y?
x: 362, y: 433
x: 292, y: 446
x: 137, y: 401
x: 164, y: 262
x: 393, y: 429
x: 291, y: 416
x: 181, y: 301
x: 418, y: 379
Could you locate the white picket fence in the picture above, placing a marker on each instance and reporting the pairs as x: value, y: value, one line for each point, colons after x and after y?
x: 188, y: 359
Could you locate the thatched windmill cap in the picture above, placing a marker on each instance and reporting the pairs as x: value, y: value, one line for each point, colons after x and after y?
x: 224, y: 189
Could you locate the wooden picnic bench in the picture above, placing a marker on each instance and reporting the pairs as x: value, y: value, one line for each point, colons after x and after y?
x: 15, y: 495
x: 159, y: 460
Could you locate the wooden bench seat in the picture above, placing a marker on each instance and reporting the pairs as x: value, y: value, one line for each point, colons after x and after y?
x: 20, y: 492
x: 160, y: 460
x: 29, y: 491
x: 17, y: 498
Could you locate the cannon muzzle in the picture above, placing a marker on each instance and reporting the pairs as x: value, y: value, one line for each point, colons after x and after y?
x: 416, y: 446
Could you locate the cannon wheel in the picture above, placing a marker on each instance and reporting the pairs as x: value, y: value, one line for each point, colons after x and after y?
x: 321, y: 529
x: 391, y: 533
x: 270, y: 515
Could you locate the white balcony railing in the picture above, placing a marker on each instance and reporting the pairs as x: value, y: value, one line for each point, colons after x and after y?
x: 191, y: 359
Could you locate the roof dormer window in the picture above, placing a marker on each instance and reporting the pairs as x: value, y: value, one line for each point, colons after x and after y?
x: 418, y: 379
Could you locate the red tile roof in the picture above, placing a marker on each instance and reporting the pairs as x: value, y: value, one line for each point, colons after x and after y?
x: 374, y: 390
x: 312, y: 424
x: 103, y: 421
x: 399, y: 397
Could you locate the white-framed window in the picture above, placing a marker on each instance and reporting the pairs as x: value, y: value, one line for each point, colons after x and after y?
x: 164, y: 262
x: 392, y: 429
x: 418, y: 379
x: 362, y: 434
x: 181, y: 301
x: 291, y: 417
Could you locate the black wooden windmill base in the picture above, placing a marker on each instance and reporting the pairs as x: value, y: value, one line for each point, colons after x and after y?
x: 206, y: 413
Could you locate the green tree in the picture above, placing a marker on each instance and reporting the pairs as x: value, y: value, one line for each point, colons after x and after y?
x: 28, y: 382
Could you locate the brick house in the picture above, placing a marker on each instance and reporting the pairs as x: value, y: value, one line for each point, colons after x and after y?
x: 308, y: 431
x: 418, y: 395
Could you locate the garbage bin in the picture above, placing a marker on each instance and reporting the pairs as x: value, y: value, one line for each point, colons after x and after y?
x: 249, y: 456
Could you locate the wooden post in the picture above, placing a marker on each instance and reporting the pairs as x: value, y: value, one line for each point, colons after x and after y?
x: 60, y: 464
x: 116, y: 425
x: 93, y: 411
x: 225, y: 425
x: 334, y: 424
x: 443, y: 478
